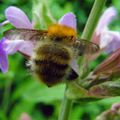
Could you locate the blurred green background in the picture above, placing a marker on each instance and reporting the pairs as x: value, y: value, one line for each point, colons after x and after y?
x: 20, y: 92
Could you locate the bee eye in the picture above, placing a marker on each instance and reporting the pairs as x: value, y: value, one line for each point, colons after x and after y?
x: 72, y: 37
x: 57, y: 39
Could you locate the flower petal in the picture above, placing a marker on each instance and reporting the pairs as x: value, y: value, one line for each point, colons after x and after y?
x: 115, y: 106
x: 110, y: 40
x: 11, y: 47
x: 115, y: 44
x: 69, y: 20
x: 3, y: 60
x: 105, y: 39
x: 74, y: 66
x: 106, y: 18
x: 2, y: 41
x: 27, y: 48
x: 17, y: 18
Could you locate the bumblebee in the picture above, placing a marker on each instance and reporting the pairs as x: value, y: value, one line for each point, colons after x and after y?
x: 54, y: 50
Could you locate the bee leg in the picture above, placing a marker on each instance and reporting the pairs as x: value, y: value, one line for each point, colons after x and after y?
x: 72, y: 75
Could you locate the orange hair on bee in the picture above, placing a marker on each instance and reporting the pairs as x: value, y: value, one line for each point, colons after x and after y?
x: 61, y: 30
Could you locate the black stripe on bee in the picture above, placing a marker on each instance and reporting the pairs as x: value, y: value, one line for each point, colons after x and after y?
x: 52, y: 64
x: 72, y: 75
x: 50, y: 72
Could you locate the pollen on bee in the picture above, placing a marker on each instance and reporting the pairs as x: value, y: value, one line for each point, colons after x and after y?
x: 61, y: 30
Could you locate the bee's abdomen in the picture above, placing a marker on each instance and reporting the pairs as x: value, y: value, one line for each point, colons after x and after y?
x: 52, y: 64
x: 50, y: 72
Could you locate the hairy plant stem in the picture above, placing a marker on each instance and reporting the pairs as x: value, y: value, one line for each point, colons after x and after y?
x: 93, y: 19
x: 87, y: 34
x: 90, y: 27
x: 66, y: 108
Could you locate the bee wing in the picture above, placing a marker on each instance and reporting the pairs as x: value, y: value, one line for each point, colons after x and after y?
x: 24, y: 34
x: 85, y: 47
x: 28, y: 35
x: 74, y: 71
x: 74, y: 66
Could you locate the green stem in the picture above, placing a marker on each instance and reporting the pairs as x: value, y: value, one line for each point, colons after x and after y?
x: 87, y: 34
x: 91, y: 25
x: 6, y: 97
x: 93, y: 19
x: 66, y: 108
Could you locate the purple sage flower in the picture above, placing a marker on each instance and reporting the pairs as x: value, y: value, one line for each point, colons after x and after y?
x: 3, y: 57
x: 69, y: 19
x: 17, y: 18
x: 108, y: 40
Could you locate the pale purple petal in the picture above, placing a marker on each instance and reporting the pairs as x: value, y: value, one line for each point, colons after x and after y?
x: 110, y: 41
x: 105, y: 39
x: 75, y: 66
x: 2, y: 41
x: 3, y: 58
x: 115, y: 42
x: 106, y: 18
x: 115, y: 106
x: 17, y: 18
x: 3, y: 61
x: 27, y: 48
x: 12, y: 47
x: 69, y: 20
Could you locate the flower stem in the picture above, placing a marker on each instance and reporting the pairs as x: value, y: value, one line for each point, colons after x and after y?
x: 93, y: 19
x: 66, y: 108
x: 6, y: 96
x: 87, y: 34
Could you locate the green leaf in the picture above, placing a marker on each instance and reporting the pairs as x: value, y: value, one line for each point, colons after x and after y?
x: 41, y: 93
x: 79, y: 94
x: 35, y: 91
x: 24, y: 87
x: 75, y: 91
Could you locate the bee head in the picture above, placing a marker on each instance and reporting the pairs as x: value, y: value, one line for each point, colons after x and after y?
x: 61, y: 33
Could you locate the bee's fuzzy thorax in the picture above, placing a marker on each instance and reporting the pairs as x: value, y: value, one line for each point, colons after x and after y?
x: 61, y: 30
